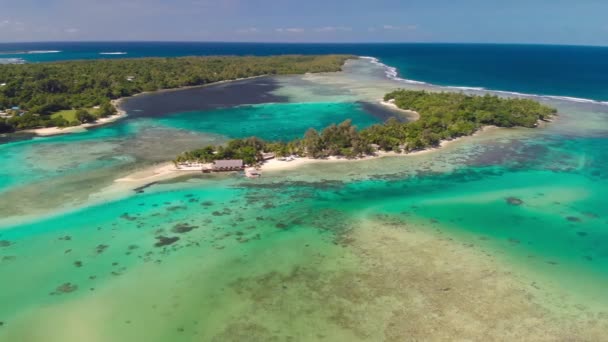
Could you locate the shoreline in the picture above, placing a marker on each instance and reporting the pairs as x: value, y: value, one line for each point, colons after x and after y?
x: 119, y: 188
x: 155, y: 173
x: 121, y: 113
x: 410, y: 114
x: 167, y: 171
x: 276, y: 165
x: 50, y: 131
x: 164, y: 171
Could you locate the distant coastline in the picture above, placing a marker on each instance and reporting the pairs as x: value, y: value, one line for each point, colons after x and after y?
x: 121, y: 112
x: 50, y: 131
x: 134, y: 77
x: 416, y: 62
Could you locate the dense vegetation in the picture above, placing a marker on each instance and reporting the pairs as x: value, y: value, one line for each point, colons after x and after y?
x: 43, y: 89
x: 443, y: 116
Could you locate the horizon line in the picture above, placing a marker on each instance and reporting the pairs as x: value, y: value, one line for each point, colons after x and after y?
x: 300, y: 43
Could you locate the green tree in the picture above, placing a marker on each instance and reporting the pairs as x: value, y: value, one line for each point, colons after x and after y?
x: 312, y: 143
x: 106, y: 109
x: 84, y: 116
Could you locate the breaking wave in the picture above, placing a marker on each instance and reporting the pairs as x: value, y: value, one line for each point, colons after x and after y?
x: 36, y: 52
x: 393, y: 74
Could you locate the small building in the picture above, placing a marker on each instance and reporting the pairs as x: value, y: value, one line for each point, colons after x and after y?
x: 268, y: 156
x: 16, y: 108
x: 228, y: 165
x: 130, y: 78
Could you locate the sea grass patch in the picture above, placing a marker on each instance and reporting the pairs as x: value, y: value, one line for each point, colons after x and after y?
x: 165, y: 241
x: 128, y: 217
x: 182, y: 228
x: 101, y: 248
x: 176, y: 207
x: 65, y: 288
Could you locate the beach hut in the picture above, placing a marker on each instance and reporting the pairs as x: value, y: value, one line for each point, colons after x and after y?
x: 268, y: 156
x: 228, y: 165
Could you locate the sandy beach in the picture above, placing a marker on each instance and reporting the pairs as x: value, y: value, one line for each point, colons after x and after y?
x: 48, y: 131
x: 156, y: 173
x: 167, y: 171
x: 143, y: 177
x: 278, y: 165
x: 410, y: 114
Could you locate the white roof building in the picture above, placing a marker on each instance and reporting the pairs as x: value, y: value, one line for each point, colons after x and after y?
x: 226, y: 165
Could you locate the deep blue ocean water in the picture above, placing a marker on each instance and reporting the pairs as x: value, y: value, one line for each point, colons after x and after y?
x: 573, y: 71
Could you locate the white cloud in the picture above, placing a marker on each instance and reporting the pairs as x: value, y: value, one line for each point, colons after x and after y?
x: 12, y: 26
x: 249, y: 30
x: 334, y: 29
x: 398, y: 28
x: 290, y: 30
x: 72, y: 30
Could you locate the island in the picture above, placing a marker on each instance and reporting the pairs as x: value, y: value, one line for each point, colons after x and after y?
x: 63, y: 94
x: 442, y: 116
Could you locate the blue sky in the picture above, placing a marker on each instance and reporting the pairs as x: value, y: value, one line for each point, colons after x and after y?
x: 488, y: 21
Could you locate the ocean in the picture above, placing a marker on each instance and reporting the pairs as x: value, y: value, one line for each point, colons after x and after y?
x: 572, y: 71
x: 502, y: 235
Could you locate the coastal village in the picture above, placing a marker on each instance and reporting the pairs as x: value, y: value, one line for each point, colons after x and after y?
x: 10, y: 112
x: 230, y: 165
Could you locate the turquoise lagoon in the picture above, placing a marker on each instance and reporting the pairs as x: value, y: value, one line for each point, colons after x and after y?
x: 274, y: 121
x: 82, y: 162
x: 508, y: 226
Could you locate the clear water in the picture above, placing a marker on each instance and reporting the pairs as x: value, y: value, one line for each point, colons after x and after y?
x: 83, y: 162
x: 317, y: 252
x: 270, y: 121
